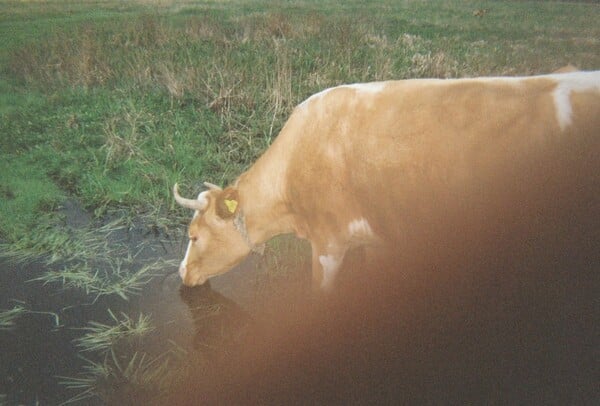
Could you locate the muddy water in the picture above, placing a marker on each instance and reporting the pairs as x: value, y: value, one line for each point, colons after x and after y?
x: 40, y: 348
x: 37, y: 350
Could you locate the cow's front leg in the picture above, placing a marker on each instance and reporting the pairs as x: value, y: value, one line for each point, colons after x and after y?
x: 326, y: 263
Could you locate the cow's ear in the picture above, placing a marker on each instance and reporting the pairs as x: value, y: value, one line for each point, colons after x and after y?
x: 227, y: 203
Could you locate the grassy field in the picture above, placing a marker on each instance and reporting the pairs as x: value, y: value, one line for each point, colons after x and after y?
x: 112, y: 102
x: 109, y: 103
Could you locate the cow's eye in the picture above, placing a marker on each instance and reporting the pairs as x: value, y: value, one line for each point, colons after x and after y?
x: 193, y: 239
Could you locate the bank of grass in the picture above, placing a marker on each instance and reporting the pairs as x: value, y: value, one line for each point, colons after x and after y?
x: 111, y: 102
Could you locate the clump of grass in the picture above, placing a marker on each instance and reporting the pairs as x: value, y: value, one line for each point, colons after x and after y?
x: 101, y: 337
x: 86, y: 384
x: 112, y: 277
x: 54, y: 244
x: 125, y: 135
x: 95, y: 261
x: 8, y: 317
x: 121, y: 366
x: 134, y: 376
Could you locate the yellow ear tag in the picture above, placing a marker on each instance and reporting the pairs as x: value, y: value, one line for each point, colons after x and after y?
x: 231, y: 205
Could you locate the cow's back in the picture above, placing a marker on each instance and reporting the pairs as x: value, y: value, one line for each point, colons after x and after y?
x: 375, y: 150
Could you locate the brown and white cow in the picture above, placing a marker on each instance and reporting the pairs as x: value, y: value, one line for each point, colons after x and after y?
x: 349, y: 160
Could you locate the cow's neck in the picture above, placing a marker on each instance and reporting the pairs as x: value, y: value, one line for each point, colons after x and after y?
x: 263, y: 200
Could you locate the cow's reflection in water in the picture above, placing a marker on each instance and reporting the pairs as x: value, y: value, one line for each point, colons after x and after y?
x: 219, y: 322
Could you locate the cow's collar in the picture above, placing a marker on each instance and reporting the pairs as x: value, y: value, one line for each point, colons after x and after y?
x: 240, y: 225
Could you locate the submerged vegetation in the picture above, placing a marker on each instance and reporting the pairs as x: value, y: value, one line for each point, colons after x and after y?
x: 108, y: 278
x: 110, y: 103
x: 122, y: 372
x: 119, y: 364
x: 137, y: 376
x: 7, y: 317
x: 102, y: 337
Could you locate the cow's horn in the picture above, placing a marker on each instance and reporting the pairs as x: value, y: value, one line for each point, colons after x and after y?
x: 212, y: 186
x: 188, y: 203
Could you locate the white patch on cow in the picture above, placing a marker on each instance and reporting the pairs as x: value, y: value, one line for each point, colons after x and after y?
x: 331, y: 265
x: 315, y: 96
x: 562, y: 102
x: 568, y: 83
x: 374, y: 87
x: 183, y: 265
x: 360, y: 228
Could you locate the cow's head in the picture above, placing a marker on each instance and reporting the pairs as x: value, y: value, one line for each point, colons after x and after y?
x: 216, y: 243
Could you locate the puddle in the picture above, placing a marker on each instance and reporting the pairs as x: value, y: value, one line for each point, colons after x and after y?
x: 36, y: 351
x: 39, y: 350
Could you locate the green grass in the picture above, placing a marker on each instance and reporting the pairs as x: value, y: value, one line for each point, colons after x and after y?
x: 111, y: 277
x: 112, y: 103
x: 100, y: 337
